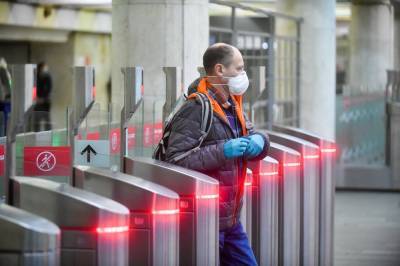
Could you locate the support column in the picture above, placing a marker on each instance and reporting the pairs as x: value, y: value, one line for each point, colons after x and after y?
x: 371, y: 43
x: 396, y: 34
x: 317, y: 65
x: 154, y: 34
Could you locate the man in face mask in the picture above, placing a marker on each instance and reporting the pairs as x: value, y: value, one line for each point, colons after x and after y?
x: 229, y: 145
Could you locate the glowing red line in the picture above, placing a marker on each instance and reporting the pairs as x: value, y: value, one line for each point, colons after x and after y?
x: 316, y: 156
x: 211, y: 196
x: 291, y: 164
x: 269, y: 174
x: 332, y: 150
x: 111, y: 230
x: 34, y: 93
x: 166, y: 212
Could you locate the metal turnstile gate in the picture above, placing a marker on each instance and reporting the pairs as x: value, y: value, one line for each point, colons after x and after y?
x: 265, y: 211
x: 94, y: 229
x: 245, y: 214
x: 309, y: 195
x: 198, y: 228
x: 154, y: 213
x: 289, y: 204
x: 27, y: 239
x: 327, y: 189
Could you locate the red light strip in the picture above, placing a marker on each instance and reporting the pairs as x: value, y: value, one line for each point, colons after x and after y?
x: 94, y: 92
x: 315, y: 156
x: 166, y: 212
x: 328, y: 150
x: 269, y: 174
x: 211, y: 196
x: 112, y: 230
x: 34, y: 93
x: 291, y: 164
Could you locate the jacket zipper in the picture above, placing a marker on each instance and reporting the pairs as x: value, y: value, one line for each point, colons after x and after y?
x: 236, y: 204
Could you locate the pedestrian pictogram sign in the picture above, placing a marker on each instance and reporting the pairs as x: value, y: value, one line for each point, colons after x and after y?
x: 47, y: 161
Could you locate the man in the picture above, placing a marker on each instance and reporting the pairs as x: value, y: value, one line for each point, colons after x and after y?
x: 230, y: 143
x: 43, y: 104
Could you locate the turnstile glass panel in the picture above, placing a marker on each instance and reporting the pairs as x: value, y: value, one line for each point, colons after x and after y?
x: 154, y: 212
x: 198, y: 207
x: 94, y: 228
x: 145, y: 127
x: 27, y: 239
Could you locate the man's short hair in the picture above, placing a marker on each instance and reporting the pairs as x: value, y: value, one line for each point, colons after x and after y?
x: 220, y: 53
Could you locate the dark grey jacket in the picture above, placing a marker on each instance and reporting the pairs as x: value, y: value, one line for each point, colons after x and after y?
x: 210, y: 159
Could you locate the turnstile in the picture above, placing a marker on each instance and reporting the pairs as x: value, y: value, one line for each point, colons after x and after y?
x: 94, y: 229
x: 27, y: 239
x: 245, y: 214
x: 327, y: 190
x: 198, y: 228
x: 265, y: 211
x: 309, y: 194
x: 154, y: 213
x: 289, y: 204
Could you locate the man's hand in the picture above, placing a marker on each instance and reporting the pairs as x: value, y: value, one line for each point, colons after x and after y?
x: 235, y: 147
x: 255, y: 146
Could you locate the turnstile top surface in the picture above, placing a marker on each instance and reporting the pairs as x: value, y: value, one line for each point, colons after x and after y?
x: 134, y: 192
x: 63, y: 204
x: 23, y: 231
x: 301, y: 133
x: 282, y: 148
x: 177, y: 170
x: 292, y: 141
x: 123, y: 179
x: 269, y: 159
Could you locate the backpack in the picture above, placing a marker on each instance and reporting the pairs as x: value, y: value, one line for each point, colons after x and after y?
x: 206, y: 122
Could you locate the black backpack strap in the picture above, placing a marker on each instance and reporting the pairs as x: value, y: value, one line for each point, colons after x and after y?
x: 205, y: 127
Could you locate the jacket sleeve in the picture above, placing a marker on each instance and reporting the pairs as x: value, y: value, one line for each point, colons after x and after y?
x: 185, y: 135
x: 251, y: 131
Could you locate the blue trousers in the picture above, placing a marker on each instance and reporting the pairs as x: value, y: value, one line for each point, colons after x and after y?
x: 234, y: 247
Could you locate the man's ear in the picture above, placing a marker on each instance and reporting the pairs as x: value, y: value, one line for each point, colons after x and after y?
x: 218, y: 70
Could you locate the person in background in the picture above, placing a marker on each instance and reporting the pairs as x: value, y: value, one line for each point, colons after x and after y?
x: 5, y: 94
x: 43, y: 103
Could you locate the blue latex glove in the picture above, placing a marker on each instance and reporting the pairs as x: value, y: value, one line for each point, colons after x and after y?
x: 255, y: 146
x: 235, y: 147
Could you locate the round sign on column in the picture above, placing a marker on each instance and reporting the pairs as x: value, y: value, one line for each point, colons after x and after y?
x: 47, y: 161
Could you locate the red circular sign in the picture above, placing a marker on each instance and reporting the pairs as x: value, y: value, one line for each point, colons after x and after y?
x: 46, y: 161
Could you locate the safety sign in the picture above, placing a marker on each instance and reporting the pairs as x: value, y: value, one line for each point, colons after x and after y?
x: 47, y: 161
x: 92, y: 152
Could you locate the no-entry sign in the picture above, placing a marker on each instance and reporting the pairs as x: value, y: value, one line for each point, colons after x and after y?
x: 47, y: 161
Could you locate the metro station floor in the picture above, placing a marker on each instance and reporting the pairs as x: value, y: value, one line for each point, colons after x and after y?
x: 367, y: 228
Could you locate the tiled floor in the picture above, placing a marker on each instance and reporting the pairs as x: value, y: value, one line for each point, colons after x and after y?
x: 367, y: 229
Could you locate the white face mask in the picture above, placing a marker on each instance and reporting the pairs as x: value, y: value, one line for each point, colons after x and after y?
x: 238, y: 85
